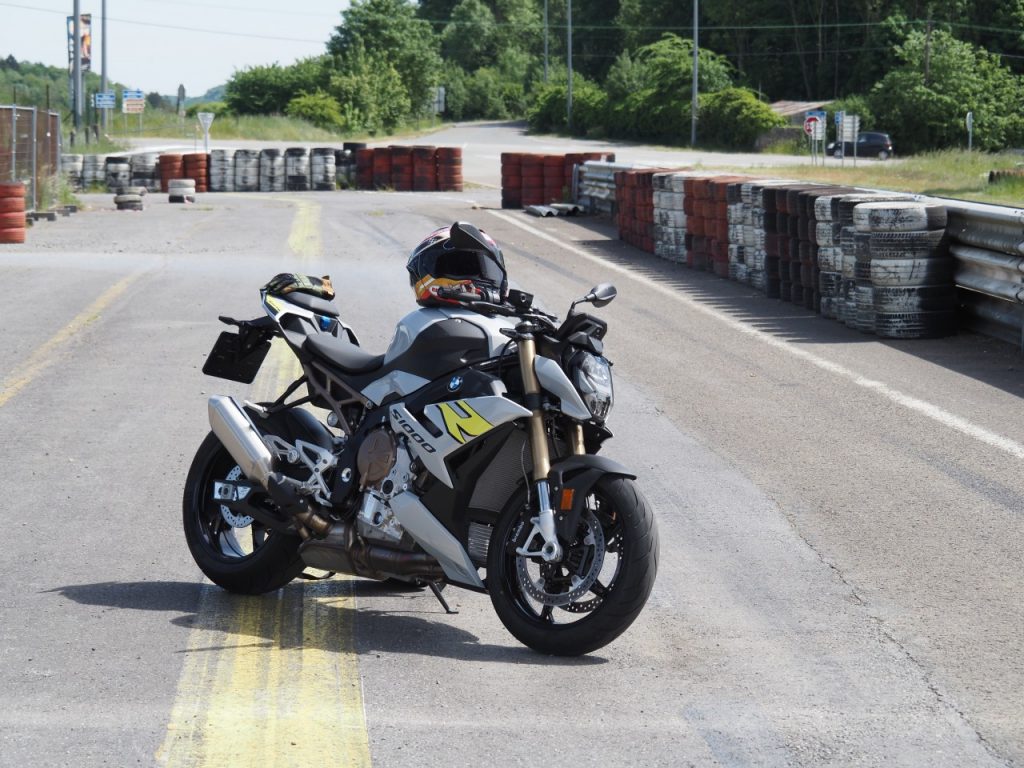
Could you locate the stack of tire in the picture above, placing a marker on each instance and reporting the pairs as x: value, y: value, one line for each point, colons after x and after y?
x: 93, y: 171
x: 171, y: 167
x: 12, y: 212
x: 532, y: 170
x: 117, y: 172
x: 697, y: 204
x: 247, y: 170
x: 364, y: 168
x: 72, y: 167
x: 222, y: 170
x: 181, y: 191
x: 381, y: 168
x: 345, y: 164
x: 323, y: 169
x: 511, y: 180
x: 669, y: 218
x: 856, y: 309
x: 271, y: 171
x: 449, y: 169
x: 197, y: 167
x: 554, y: 180
x: 833, y: 271
x: 130, y: 198
x: 808, y: 245
x: 424, y: 169
x: 146, y: 171
x: 634, y: 191
x: 401, y: 168
x: 296, y: 169
x: 910, y: 271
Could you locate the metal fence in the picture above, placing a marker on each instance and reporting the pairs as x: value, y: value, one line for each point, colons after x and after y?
x: 30, y: 147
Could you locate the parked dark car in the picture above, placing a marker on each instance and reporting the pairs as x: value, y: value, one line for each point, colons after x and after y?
x: 869, y: 144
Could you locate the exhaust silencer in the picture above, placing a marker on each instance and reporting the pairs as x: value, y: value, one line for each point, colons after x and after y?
x: 235, y: 430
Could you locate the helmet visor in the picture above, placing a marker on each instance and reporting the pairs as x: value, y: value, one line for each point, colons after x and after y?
x: 468, y: 265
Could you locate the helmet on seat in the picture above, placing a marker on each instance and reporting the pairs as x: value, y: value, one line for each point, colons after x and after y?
x: 456, y: 264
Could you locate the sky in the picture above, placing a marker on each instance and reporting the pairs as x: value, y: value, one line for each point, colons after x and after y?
x: 155, y: 45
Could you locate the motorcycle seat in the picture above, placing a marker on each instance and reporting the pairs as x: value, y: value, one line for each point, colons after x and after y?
x: 313, y: 303
x: 342, y: 353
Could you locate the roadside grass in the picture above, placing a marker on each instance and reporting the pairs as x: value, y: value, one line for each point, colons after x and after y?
x: 950, y: 173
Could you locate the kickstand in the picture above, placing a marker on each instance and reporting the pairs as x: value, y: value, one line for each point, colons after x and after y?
x: 440, y: 598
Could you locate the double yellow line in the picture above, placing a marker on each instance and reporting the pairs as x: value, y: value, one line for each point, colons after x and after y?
x: 273, y: 680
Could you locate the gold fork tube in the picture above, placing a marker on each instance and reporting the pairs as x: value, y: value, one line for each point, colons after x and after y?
x: 531, y: 386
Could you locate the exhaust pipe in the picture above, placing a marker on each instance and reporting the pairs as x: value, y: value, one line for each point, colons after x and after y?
x: 236, y: 432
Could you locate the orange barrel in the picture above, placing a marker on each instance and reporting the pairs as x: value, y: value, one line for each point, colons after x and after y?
x: 172, y: 166
x: 196, y: 166
x: 424, y: 169
x: 449, y: 169
x: 381, y: 168
x: 364, y: 168
x: 401, y: 168
x: 511, y: 180
x: 533, y: 179
x: 12, y: 212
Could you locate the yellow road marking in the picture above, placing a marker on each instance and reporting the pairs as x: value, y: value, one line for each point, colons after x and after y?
x: 272, y: 681
x: 45, y: 356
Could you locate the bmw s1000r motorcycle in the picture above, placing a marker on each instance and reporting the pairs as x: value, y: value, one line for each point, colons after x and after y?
x: 464, y: 455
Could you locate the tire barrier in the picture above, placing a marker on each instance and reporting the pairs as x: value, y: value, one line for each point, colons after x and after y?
x: 117, y: 172
x: 196, y: 167
x: 272, y: 177
x: 145, y: 171
x: 12, y: 213
x: 172, y: 166
x: 364, y: 168
x: 182, y: 191
x: 323, y: 169
x: 222, y: 170
x: 382, y: 168
x: 247, y: 170
x: 531, y: 179
x: 73, y: 166
x: 877, y: 261
x: 296, y: 169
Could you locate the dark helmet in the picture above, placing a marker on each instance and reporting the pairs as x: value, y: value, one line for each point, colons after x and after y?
x: 455, y: 263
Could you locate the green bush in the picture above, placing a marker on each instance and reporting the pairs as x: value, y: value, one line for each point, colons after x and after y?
x: 218, y: 108
x: 549, y: 109
x: 733, y: 118
x: 319, y: 108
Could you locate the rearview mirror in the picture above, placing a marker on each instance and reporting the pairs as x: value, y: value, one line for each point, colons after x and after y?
x: 599, y: 296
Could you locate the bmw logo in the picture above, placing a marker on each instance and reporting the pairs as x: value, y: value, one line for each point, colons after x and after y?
x: 455, y: 384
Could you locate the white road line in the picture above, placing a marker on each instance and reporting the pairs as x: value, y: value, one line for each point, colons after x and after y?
x: 923, y: 407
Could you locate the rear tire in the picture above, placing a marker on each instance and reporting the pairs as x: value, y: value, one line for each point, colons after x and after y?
x: 618, y: 530
x: 249, y: 559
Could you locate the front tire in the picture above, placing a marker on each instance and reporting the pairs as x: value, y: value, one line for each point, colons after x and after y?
x: 595, y: 593
x: 245, y: 558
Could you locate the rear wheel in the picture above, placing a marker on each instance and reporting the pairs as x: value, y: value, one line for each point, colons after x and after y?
x: 597, y: 590
x: 234, y: 551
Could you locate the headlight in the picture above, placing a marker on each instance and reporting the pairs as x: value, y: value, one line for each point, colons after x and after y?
x: 594, y: 382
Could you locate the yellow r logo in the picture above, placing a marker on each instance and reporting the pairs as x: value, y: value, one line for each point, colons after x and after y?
x: 462, y: 422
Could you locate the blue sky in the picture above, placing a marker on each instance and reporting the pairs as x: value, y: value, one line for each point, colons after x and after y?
x: 157, y: 44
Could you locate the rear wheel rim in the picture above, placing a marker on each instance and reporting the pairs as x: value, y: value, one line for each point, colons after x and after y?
x: 222, y: 540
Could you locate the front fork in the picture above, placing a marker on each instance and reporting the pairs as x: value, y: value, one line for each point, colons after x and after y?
x: 544, y: 523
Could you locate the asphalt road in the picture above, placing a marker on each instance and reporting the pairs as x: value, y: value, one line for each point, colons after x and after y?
x: 839, y: 582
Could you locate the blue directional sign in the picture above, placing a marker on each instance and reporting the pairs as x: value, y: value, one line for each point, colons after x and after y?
x: 127, y: 94
x: 104, y: 100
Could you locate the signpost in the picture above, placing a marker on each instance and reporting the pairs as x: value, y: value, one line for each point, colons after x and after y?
x: 814, y: 127
x: 970, y: 131
x: 133, y: 102
x: 847, y: 129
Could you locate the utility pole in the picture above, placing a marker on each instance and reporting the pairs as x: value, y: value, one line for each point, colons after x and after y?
x: 545, y: 41
x: 569, y: 59
x: 103, y: 71
x: 77, y: 66
x: 693, y: 93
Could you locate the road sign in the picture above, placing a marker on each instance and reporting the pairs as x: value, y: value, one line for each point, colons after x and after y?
x: 135, y: 95
x: 839, y: 117
x: 810, y: 124
x: 104, y: 100
x: 206, y: 120
x: 133, y: 106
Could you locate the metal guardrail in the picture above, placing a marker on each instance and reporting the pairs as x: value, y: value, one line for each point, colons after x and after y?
x: 988, y: 245
x: 30, y: 147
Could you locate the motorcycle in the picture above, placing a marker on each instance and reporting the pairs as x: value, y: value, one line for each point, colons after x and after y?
x: 465, y: 455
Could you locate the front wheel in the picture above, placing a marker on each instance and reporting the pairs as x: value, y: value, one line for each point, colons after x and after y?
x: 234, y: 551
x: 597, y: 590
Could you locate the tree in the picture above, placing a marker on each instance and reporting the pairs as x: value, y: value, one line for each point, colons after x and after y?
x: 470, y: 38
x: 390, y: 32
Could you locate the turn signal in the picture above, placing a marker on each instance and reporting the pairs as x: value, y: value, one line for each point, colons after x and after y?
x: 567, y: 497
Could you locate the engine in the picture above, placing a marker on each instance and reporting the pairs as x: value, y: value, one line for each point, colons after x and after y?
x: 384, y: 471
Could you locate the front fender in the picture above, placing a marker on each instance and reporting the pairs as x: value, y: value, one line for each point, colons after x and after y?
x: 578, y: 475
